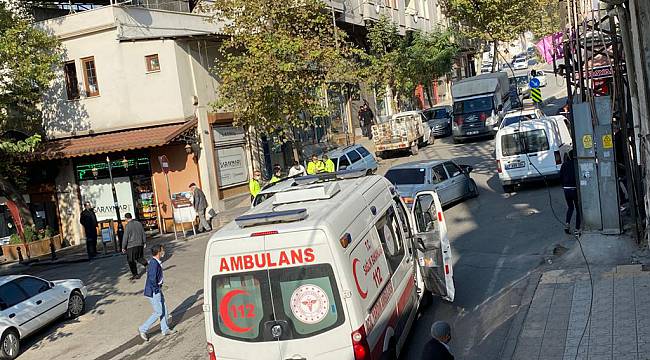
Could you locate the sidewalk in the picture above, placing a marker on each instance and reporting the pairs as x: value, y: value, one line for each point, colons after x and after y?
x: 618, y: 325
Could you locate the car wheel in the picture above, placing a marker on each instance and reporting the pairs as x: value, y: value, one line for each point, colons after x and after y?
x: 415, y: 149
x: 9, y: 345
x: 76, y: 305
x: 508, y: 188
x: 369, y: 172
x: 457, y: 141
x: 473, y: 189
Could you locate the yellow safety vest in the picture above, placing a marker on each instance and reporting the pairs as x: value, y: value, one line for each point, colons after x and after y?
x: 254, y: 187
x: 329, y: 166
x: 274, y: 179
x: 315, y: 167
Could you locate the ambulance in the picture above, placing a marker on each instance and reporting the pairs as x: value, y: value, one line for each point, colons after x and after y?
x: 334, y: 267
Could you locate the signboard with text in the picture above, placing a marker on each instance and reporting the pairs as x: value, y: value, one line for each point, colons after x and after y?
x: 100, y: 195
x: 233, y: 168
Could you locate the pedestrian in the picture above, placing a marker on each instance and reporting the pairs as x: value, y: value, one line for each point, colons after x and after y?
x: 438, y: 348
x: 277, y: 175
x: 200, y: 205
x: 367, y: 116
x: 297, y: 170
x: 568, y: 179
x: 255, y: 184
x: 329, y: 164
x: 153, y: 291
x: 135, y: 239
x: 89, y: 222
x: 315, y: 166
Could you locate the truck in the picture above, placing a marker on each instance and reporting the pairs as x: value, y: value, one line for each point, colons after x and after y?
x: 479, y: 104
x: 402, y: 131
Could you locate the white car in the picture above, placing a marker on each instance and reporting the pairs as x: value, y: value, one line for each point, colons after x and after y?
x: 28, y: 303
x: 520, y: 63
x: 541, y: 76
x: 515, y: 116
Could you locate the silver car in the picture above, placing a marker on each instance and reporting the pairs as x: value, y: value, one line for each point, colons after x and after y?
x: 452, y: 182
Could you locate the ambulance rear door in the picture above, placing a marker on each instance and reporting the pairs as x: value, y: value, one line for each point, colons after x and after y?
x: 434, y: 249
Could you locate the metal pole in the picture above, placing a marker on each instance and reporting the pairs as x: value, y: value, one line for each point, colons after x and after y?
x: 120, y: 228
x: 169, y: 192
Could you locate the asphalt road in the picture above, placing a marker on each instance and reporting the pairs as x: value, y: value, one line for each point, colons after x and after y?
x: 497, y: 241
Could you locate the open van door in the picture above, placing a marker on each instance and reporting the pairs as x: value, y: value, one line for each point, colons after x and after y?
x: 434, y: 250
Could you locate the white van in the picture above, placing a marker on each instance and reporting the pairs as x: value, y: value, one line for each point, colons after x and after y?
x: 531, y: 150
x: 324, y: 270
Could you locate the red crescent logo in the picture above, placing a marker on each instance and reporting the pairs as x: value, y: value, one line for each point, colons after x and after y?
x: 223, y: 311
x: 363, y: 294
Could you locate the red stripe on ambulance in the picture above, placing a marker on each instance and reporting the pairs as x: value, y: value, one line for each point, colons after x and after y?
x: 267, y: 260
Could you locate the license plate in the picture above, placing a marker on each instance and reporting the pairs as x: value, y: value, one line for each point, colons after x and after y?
x: 472, y: 132
x: 515, y: 165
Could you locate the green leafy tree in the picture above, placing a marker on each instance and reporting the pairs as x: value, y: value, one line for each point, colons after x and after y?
x: 276, y: 61
x: 27, y: 60
x: 429, y: 56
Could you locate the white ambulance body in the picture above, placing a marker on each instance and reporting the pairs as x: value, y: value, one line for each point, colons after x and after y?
x: 327, y: 270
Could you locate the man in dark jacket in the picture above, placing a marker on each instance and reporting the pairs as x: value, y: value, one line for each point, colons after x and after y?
x: 200, y: 205
x: 133, y: 244
x: 89, y: 222
x: 568, y: 178
x: 437, y: 348
x: 153, y: 291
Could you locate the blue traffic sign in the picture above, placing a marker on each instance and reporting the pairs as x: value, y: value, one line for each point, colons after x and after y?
x: 534, y: 83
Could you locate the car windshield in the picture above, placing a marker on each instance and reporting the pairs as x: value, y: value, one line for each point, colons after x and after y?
x: 474, y: 105
x: 436, y: 114
x: 248, y: 302
x: 406, y: 176
x: 522, y: 80
x: 515, y: 119
x: 524, y: 142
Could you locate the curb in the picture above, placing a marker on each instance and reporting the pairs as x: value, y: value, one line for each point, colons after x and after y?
x: 510, y: 345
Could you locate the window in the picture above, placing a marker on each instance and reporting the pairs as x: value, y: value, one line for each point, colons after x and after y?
x: 247, y: 303
x: 439, y: 174
x: 406, y: 176
x: 354, y: 156
x: 363, y: 151
x: 90, y: 76
x: 32, y: 286
x: 392, y: 239
x: 152, y: 63
x: 10, y: 295
x: 452, y: 169
x: 524, y: 142
x: 71, y: 83
x: 343, y: 162
x: 483, y: 104
x: 401, y: 212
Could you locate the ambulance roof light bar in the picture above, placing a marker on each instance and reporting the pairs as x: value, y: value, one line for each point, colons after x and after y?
x: 272, y: 217
x: 323, y: 177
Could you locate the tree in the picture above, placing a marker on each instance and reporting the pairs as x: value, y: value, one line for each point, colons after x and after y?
x: 548, y: 18
x: 492, y: 20
x: 276, y: 60
x: 429, y: 56
x: 27, y: 60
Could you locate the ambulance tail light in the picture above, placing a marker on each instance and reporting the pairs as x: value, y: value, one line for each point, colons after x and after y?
x: 499, y: 166
x: 360, y: 344
x: 264, y: 233
x: 211, y: 354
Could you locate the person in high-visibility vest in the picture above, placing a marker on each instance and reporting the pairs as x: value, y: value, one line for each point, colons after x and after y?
x: 315, y: 166
x: 329, y: 164
x: 277, y: 175
x: 255, y: 184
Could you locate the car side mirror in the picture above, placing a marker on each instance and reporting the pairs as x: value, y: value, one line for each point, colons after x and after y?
x: 51, y: 283
x: 467, y: 168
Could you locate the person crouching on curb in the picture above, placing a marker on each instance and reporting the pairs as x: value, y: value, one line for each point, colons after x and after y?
x: 153, y: 291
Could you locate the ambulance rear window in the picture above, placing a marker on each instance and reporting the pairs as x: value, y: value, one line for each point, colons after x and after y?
x: 305, y: 299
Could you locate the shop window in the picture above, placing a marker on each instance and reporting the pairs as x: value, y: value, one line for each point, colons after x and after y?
x: 71, y: 82
x: 152, y: 63
x: 90, y: 76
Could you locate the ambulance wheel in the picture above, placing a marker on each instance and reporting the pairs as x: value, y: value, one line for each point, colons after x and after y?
x: 415, y: 149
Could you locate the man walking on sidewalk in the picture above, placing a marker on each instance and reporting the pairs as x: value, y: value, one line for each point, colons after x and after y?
x: 133, y: 244
x: 437, y: 348
x: 200, y: 205
x: 153, y: 291
x: 568, y: 178
x: 89, y: 222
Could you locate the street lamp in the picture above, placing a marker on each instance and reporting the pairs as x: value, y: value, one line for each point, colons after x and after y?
x: 120, y: 228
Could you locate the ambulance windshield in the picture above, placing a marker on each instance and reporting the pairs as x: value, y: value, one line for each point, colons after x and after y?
x: 306, y: 302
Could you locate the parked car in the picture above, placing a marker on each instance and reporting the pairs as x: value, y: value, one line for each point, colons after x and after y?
x: 353, y: 157
x: 408, y: 130
x: 452, y: 182
x: 520, y: 63
x: 522, y: 81
x: 439, y: 119
x: 515, y: 116
x: 531, y: 150
x: 541, y: 76
x: 28, y: 303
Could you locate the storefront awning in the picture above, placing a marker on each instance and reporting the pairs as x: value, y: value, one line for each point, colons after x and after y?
x: 130, y: 139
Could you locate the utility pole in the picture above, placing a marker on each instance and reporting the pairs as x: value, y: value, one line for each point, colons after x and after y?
x: 120, y: 228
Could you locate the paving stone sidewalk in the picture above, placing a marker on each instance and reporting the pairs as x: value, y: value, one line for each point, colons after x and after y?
x: 618, y: 327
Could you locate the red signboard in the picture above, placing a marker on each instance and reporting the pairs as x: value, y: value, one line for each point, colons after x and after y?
x: 164, y: 163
